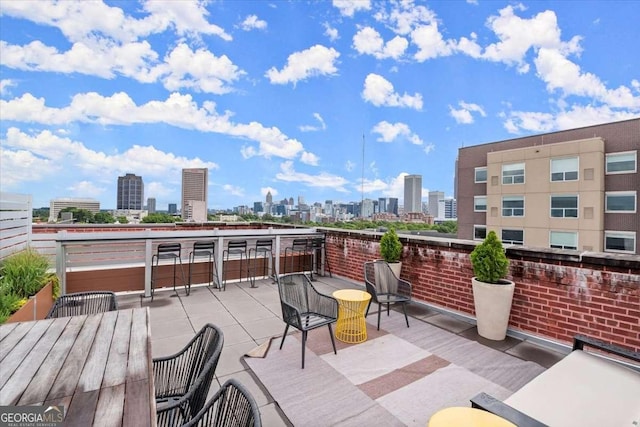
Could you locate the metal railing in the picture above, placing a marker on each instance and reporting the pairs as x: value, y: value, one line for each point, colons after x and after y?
x: 107, y: 250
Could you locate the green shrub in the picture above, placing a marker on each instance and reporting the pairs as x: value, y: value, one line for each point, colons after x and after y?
x: 390, y: 246
x: 490, y: 264
x: 22, y: 275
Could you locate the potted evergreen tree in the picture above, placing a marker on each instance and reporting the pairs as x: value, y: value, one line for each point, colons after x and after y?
x: 492, y: 293
x: 391, y: 250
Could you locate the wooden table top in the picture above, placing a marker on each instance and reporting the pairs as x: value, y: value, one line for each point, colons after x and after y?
x: 98, y: 367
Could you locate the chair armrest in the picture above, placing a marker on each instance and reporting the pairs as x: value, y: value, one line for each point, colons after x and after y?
x: 323, y: 304
x: 491, y: 404
x: 579, y: 341
x: 404, y: 287
x: 291, y: 314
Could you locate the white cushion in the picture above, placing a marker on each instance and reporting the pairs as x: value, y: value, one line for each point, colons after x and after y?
x: 582, y: 390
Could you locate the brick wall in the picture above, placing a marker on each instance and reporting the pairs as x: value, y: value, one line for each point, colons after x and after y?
x: 558, y: 294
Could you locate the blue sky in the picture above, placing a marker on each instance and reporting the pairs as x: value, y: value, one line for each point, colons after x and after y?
x: 278, y: 95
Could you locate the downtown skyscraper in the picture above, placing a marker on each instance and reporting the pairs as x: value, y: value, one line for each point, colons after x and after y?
x: 130, y: 192
x: 412, y: 193
x: 195, y: 182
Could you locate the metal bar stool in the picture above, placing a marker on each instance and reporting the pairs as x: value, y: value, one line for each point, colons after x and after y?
x: 204, y: 248
x: 320, y: 259
x: 167, y: 251
x: 299, y: 247
x: 234, y: 247
x: 262, y: 249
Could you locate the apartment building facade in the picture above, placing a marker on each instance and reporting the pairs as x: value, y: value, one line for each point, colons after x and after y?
x: 574, y: 189
x: 195, y: 194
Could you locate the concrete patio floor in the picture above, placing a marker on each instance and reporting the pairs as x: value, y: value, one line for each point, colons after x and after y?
x: 249, y: 316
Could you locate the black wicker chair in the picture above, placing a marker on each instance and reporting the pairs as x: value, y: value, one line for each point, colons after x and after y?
x: 182, y: 380
x: 386, y: 288
x: 80, y: 303
x: 231, y: 406
x: 304, y: 308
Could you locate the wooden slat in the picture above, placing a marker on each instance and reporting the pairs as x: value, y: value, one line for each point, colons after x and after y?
x: 43, y: 380
x: 5, y: 330
x: 13, y: 338
x: 137, y: 405
x: 19, y: 352
x: 94, y: 367
x: 116, y: 371
x: 67, y: 379
x: 23, y: 375
x: 138, y: 368
x: 110, y: 407
x: 82, y: 409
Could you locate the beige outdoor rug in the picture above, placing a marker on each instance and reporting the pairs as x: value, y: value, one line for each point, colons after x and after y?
x: 399, y: 376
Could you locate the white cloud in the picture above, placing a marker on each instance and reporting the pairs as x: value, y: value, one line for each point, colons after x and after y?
x: 349, y: 165
x: 430, y: 42
x: 81, y: 20
x: 404, y: 17
x: 464, y: 114
x: 393, y: 187
x: 252, y: 22
x: 575, y: 117
x: 390, y: 132
x: 158, y: 189
x: 86, y: 189
x: 349, y: 7
x: 321, y: 180
x: 234, y: 190
x: 309, y: 128
x: 5, y: 84
x: 331, y: 32
x: 309, y: 158
x: 177, y: 110
x: 200, y: 70
x: 316, y: 61
x: 429, y: 148
x: 368, y: 41
x: 40, y: 156
x: 380, y: 92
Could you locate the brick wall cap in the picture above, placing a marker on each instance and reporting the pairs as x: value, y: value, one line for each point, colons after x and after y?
x: 612, y: 260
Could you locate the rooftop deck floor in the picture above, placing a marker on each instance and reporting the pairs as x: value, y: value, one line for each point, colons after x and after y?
x: 249, y: 316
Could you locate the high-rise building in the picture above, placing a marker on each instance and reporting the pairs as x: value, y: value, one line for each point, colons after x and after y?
x: 172, y: 208
x: 573, y: 189
x: 436, y: 204
x: 195, y: 183
x: 56, y: 205
x: 130, y: 192
x: 382, y: 205
x: 450, y: 208
x: 392, y: 206
x: 151, y: 205
x: 269, y: 199
x: 412, y: 193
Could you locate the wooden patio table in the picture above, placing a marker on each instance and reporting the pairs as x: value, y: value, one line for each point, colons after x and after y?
x: 97, y: 366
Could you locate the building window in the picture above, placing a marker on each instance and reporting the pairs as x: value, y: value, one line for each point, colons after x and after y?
x: 620, y: 241
x: 620, y: 201
x: 563, y: 240
x: 480, y: 203
x: 565, y: 169
x: 622, y: 162
x: 481, y: 175
x: 564, y: 206
x: 514, y: 237
x: 513, y: 206
x: 513, y: 174
x: 479, y: 232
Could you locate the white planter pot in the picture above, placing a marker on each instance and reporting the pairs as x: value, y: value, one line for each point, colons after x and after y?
x: 396, y: 267
x: 493, y: 307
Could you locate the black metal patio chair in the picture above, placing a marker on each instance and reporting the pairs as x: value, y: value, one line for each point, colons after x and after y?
x: 182, y: 380
x: 304, y: 308
x: 386, y: 288
x: 231, y: 406
x: 79, y: 303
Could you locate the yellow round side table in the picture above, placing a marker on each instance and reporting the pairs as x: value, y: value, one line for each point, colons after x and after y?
x: 351, y: 327
x: 467, y: 417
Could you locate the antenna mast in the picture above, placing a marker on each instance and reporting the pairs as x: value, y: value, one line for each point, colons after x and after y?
x: 362, y: 182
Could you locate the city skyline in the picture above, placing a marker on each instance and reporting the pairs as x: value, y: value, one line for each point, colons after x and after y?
x: 340, y: 106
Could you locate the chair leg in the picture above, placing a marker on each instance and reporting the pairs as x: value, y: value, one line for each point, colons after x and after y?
x: 388, y: 309
x: 304, y: 345
x: 284, y: 335
x: 404, y: 308
x: 332, y: 340
x: 379, y: 311
x: 367, y: 312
